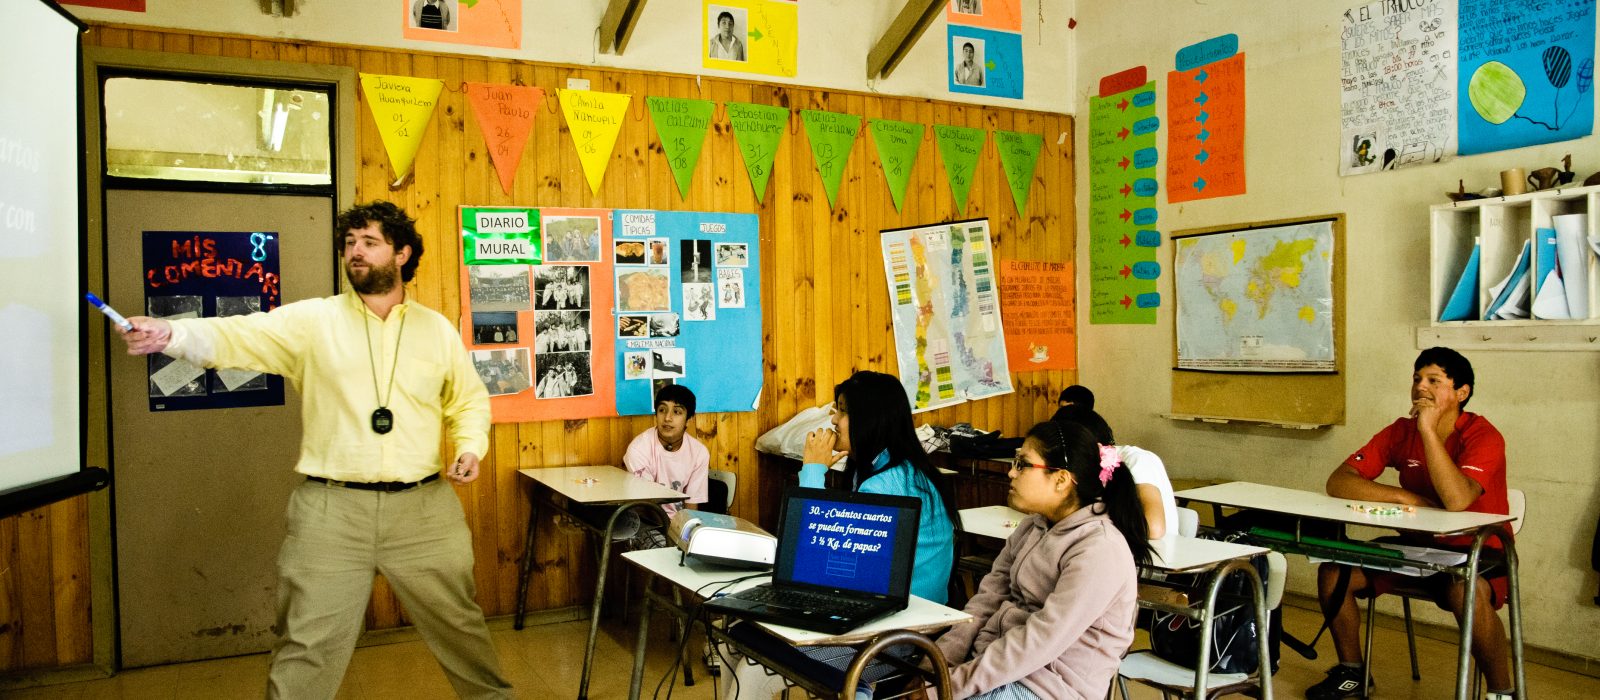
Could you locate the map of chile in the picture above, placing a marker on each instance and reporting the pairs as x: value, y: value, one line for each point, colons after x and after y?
x: 1498, y: 94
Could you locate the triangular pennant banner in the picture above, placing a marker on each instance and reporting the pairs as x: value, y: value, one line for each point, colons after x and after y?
x: 401, y: 107
x: 832, y: 135
x: 959, y: 146
x: 593, y: 121
x: 897, y: 150
x: 505, y: 115
x: 1019, y: 155
x: 681, y: 123
x: 758, y: 129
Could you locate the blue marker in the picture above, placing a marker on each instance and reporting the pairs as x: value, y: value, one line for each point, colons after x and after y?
x: 110, y: 313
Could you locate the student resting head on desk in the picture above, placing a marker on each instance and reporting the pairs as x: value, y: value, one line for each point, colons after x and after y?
x: 1055, y: 614
x: 1447, y: 458
x: 1149, y: 474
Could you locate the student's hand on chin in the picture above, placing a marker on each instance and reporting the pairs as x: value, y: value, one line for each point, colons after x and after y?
x: 819, y: 447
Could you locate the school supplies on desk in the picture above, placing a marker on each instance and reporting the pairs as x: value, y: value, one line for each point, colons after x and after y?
x: 1357, y: 547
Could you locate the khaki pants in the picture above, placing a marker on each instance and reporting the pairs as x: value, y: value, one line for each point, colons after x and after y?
x: 338, y: 538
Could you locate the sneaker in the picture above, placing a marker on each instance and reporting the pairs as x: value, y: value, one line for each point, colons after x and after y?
x: 1342, y: 682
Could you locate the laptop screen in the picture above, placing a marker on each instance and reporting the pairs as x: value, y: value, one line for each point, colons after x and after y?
x: 848, y: 541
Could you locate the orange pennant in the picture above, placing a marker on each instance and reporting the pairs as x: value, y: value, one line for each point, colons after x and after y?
x: 505, y: 115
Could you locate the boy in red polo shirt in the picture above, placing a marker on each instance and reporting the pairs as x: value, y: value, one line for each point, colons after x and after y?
x: 1447, y: 458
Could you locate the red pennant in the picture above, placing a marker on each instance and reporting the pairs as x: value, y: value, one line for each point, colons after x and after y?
x: 505, y: 115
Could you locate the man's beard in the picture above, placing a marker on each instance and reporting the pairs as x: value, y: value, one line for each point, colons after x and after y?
x: 376, y: 279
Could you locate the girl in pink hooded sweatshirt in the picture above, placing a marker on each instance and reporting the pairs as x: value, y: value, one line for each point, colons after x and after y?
x: 1054, y: 616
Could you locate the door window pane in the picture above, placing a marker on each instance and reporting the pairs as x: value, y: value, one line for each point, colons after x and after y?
x: 181, y: 130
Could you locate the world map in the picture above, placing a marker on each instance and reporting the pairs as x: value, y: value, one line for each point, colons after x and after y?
x: 1257, y: 300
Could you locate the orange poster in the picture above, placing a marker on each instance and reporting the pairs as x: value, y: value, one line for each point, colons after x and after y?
x: 496, y: 23
x: 505, y: 115
x: 1205, y: 130
x: 1036, y: 311
x: 992, y: 14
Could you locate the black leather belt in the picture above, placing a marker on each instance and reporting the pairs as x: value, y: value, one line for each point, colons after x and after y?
x: 384, y: 486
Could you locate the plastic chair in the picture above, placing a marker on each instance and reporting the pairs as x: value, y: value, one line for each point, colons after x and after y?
x: 720, y: 487
x: 1188, y: 522
x: 1517, y: 501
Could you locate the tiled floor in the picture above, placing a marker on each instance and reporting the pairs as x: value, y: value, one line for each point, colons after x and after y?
x: 546, y: 661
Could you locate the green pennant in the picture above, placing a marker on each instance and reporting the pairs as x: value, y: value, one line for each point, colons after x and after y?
x: 959, y: 146
x: 898, y: 143
x: 681, y: 123
x: 832, y: 135
x: 758, y: 129
x: 1019, y: 155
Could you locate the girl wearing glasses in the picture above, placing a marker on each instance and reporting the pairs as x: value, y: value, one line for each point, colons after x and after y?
x: 1055, y: 614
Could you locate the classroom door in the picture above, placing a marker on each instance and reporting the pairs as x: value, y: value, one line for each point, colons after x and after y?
x: 199, y: 494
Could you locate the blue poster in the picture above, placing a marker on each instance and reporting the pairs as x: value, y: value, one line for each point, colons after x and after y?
x: 1526, y: 73
x: 708, y: 335
x: 985, y: 61
x: 190, y: 274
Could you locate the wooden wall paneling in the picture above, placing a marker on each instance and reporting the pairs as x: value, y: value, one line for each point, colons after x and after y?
x: 825, y: 312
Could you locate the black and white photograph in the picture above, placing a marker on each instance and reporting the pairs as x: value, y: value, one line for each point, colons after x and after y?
x: 659, y: 252
x: 560, y: 331
x: 967, y: 7
x: 498, y: 287
x: 628, y: 252
x: 502, y: 371
x: 667, y: 363
x: 560, y: 287
x: 494, y: 328
x: 726, y: 26
x: 694, y: 260
x: 563, y: 375
x: 730, y: 288
x: 434, y: 14
x: 663, y: 325
x: 633, y: 326
x: 571, y: 238
x: 966, y: 55
x: 733, y: 255
x: 699, y: 302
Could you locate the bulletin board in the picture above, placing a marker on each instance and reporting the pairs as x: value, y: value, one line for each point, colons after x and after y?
x: 1287, y: 398
x: 583, y: 313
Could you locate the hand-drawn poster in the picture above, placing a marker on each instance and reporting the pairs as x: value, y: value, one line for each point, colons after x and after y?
x: 1397, y: 85
x: 505, y: 116
x: 1257, y: 300
x: 1123, y: 237
x: 402, y: 108
x: 948, y: 335
x: 1036, y: 303
x: 1205, y: 113
x: 750, y: 36
x: 1527, y: 72
x: 493, y: 23
x: 566, y: 339
x: 190, y: 274
x: 984, y: 61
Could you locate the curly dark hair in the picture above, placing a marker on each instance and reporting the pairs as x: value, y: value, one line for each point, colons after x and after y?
x: 397, y: 228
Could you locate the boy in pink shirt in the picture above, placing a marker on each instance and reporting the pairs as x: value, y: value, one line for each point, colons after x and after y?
x: 666, y: 453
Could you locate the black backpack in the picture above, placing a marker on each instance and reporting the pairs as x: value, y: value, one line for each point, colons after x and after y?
x: 1235, y: 639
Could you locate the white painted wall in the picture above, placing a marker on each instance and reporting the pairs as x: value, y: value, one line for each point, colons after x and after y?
x: 835, y: 36
x: 1546, y: 403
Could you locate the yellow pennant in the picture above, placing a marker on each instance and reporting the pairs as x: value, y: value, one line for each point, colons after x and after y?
x: 401, y: 107
x: 593, y: 120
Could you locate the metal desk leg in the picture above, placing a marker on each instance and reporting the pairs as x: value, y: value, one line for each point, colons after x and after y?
x: 528, y: 555
x: 1469, y: 604
x: 600, y: 587
x: 636, y: 683
x: 1513, y: 591
x: 1258, y: 598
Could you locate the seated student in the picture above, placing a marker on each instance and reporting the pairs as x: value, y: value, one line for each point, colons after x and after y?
x: 1446, y: 458
x: 1054, y: 616
x: 1149, y: 474
x: 873, y: 428
x: 1076, y: 395
x: 667, y: 455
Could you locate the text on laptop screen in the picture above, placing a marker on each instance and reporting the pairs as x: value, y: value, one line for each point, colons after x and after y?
x: 845, y: 545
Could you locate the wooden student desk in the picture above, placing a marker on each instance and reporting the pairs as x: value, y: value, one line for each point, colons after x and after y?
x: 692, y: 581
x: 563, y: 487
x: 1179, y: 555
x: 1306, y: 505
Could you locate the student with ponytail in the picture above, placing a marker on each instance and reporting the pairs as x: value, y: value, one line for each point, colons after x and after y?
x: 1053, y: 617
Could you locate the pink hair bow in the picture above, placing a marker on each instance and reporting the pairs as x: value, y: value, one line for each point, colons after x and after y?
x: 1109, y: 461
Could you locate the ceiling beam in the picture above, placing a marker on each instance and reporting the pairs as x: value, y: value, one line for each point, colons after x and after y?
x: 901, y: 35
x: 617, y: 24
